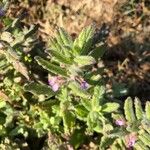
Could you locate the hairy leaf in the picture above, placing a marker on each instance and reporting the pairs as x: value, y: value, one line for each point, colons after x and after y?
x: 106, y: 142
x: 110, y: 107
x: 145, y: 138
x: 147, y: 109
x: 97, y: 97
x: 87, y: 104
x: 140, y: 146
x: 60, y: 57
x: 84, y: 41
x: 76, y: 89
x: 20, y: 67
x: 50, y: 67
x: 39, y: 89
x: 128, y: 109
x: 65, y: 37
x: 138, y: 109
x: 14, y: 59
x: 68, y: 120
x: 84, y: 60
x: 81, y: 112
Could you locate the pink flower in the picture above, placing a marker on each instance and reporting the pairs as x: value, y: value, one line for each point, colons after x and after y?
x: 120, y: 122
x: 54, y: 83
x: 130, y: 140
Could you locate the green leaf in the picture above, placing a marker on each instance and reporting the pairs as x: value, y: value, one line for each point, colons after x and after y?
x: 93, y: 121
x: 14, y: 59
x: 50, y: 67
x: 98, y: 128
x: 106, y: 142
x: 68, y: 120
x: 65, y: 37
x: 84, y: 60
x: 87, y: 104
x: 94, y: 116
x: 145, y: 138
x: 138, y: 109
x: 7, y: 36
x: 110, y: 107
x: 81, y: 112
x: 2, y: 104
x: 97, y: 97
x: 76, y: 89
x: 54, y: 45
x: 20, y: 67
x: 128, y: 109
x: 29, y: 32
x: 77, y: 138
x: 147, y: 110
x: 83, y: 43
x: 60, y: 57
x: 98, y: 52
x: 74, y: 70
x: 140, y: 146
x: 39, y: 89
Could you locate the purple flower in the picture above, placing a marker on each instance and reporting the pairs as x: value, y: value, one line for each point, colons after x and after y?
x: 2, y: 12
x: 54, y: 83
x: 120, y: 122
x: 84, y: 85
x: 131, y: 139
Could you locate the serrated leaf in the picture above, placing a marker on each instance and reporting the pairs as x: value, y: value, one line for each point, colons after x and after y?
x: 84, y: 60
x: 110, y: 107
x: 138, y: 109
x: 128, y: 110
x: 147, y: 110
x: 39, y: 89
x: 76, y: 89
x: 50, y: 67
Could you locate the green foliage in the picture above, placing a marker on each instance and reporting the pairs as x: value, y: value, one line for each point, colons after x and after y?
x: 133, y: 129
x: 39, y: 90
x: 50, y: 67
x: 72, y: 108
x: 129, y: 112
